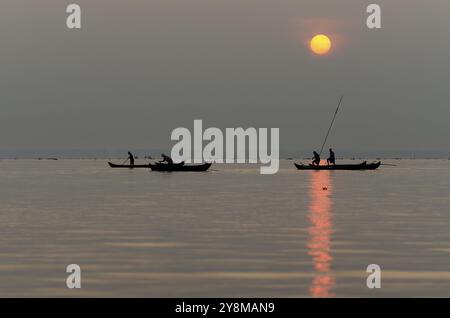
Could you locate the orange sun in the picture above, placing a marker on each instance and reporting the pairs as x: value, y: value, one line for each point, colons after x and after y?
x: 320, y: 44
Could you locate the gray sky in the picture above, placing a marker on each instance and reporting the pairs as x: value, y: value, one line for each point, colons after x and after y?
x: 139, y: 69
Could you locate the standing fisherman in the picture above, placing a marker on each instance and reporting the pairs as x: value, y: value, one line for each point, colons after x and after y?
x: 131, y: 158
x: 332, y: 158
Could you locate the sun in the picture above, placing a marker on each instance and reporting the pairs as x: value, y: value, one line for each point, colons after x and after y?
x: 320, y: 44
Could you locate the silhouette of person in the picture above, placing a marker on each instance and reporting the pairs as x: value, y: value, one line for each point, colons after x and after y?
x: 316, y: 159
x: 331, y: 159
x: 131, y: 158
x: 166, y: 159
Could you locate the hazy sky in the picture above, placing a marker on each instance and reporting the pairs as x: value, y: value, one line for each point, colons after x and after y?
x: 138, y: 69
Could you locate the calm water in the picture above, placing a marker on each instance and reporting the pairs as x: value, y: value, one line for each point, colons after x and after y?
x: 227, y: 232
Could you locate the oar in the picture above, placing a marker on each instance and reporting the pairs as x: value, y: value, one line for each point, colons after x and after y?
x: 385, y: 164
x: 125, y: 161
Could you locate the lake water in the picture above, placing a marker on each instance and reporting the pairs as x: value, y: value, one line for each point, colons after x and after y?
x: 228, y: 232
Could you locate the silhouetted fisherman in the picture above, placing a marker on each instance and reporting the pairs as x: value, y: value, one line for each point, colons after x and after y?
x: 332, y: 158
x: 166, y: 159
x: 131, y: 158
x: 316, y: 159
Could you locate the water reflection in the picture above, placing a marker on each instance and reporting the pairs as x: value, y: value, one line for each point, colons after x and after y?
x: 320, y: 233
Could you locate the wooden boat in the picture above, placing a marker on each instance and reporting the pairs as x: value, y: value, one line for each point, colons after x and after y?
x: 112, y: 165
x: 361, y: 166
x: 179, y: 167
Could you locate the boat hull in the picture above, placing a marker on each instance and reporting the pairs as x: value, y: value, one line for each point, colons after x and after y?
x: 113, y: 165
x: 361, y: 166
x: 180, y: 167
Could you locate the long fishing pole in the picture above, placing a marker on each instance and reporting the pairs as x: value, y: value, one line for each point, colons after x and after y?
x: 329, y: 129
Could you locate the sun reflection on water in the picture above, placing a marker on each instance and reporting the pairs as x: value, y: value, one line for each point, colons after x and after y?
x: 319, y: 243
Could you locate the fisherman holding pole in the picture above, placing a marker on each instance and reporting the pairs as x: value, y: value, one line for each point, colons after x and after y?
x: 332, y: 158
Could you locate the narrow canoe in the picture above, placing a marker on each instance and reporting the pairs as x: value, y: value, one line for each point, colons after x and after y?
x: 361, y: 166
x: 179, y: 167
x: 112, y: 165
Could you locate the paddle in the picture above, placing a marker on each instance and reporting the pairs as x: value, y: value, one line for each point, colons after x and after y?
x: 125, y: 161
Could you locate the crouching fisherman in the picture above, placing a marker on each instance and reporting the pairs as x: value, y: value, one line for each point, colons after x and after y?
x: 166, y: 159
x: 316, y: 159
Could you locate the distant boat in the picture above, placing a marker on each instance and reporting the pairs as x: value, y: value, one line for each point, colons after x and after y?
x: 112, y: 165
x: 362, y: 166
x: 179, y: 167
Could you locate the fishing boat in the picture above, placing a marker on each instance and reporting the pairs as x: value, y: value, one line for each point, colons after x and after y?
x: 112, y: 165
x: 361, y: 166
x: 179, y: 167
